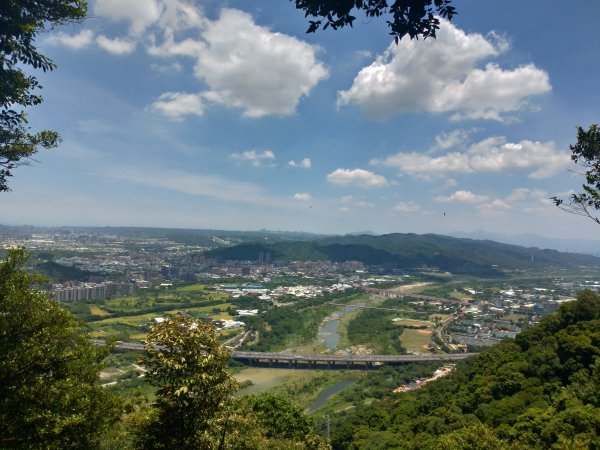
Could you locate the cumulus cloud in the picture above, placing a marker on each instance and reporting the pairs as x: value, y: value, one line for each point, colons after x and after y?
x: 495, y: 154
x: 444, y: 75
x: 302, y: 197
x: 74, y: 42
x: 177, y: 105
x: 266, y: 74
x: 406, y: 207
x: 496, y: 206
x: 115, y: 46
x: 304, y: 164
x: 357, y: 177
x: 139, y: 13
x: 253, y: 157
x: 239, y: 64
x: 462, y: 197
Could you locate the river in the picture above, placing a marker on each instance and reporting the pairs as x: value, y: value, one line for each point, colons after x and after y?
x: 328, y: 330
x: 324, y: 395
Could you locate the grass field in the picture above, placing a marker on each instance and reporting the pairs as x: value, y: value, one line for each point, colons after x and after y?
x: 97, y: 311
x: 439, y: 316
x: 192, y: 288
x: 415, y: 340
x: 412, y: 323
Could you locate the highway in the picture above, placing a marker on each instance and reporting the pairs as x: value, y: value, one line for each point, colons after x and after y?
x: 320, y: 360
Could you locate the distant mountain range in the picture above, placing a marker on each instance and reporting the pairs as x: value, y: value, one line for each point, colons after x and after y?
x: 410, y: 251
x: 588, y: 246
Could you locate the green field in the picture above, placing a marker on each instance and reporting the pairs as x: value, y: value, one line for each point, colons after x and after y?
x: 97, y: 311
x: 415, y: 340
x: 192, y: 288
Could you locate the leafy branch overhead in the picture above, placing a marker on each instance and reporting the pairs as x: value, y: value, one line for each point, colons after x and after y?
x: 586, y: 155
x: 406, y: 17
x: 20, y: 22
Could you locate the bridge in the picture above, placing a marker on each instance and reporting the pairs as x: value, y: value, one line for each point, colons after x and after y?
x: 322, y: 361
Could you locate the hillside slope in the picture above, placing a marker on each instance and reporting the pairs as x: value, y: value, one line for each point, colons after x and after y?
x: 540, y: 391
x: 410, y: 251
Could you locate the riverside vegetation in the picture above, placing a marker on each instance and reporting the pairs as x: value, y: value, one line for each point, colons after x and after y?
x: 537, y: 391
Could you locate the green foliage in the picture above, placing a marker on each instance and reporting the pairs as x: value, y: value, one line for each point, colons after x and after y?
x: 20, y: 22
x: 59, y: 273
x: 375, y: 328
x: 411, y: 251
x: 585, y: 154
x: 295, y: 324
x: 408, y: 17
x: 50, y: 396
x: 539, y: 391
x: 187, y: 363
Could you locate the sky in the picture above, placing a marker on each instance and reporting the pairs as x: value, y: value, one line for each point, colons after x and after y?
x: 226, y: 114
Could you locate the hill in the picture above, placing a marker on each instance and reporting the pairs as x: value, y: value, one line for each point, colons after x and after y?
x: 411, y: 251
x: 59, y: 273
x: 539, y: 391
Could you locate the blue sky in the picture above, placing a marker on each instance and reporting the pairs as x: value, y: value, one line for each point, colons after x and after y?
x: 213, y: 114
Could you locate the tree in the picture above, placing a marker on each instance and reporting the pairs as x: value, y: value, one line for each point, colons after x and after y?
x: 188, y: 364
x: 408, y: 17
x: 20, y: 22
x: 586, y: 155
x: 50, y: 395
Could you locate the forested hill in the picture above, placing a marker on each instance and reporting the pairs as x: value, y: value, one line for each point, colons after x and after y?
x: 463, y: 256
x: 540, y: 391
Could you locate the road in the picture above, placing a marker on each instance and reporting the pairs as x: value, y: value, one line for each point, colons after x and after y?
x: 331, y: 361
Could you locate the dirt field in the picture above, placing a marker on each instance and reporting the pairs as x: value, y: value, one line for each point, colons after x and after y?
x: 416, y: 340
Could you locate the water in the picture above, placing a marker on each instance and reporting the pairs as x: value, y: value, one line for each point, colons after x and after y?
x: 324, y: 395
x: 328, y: 331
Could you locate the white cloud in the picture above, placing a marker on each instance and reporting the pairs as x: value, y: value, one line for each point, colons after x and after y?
x: 302, y: 197
x: 495, y: 154
x: 425, y: 166
x: 115, y: 46
x: 357, y: 177
x: 254, y: 157
x: 443, y: 76
x: 494, y: 207
x: 248, y: 66
x: 406, y: 207
x: 139, y: 13
x: 463, y: 197
x: 177, y: 105
x: 304, y: 164
x: 74, y: 42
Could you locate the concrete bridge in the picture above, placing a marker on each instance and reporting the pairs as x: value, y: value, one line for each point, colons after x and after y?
x: 322, y: 361
x: 294, y: 361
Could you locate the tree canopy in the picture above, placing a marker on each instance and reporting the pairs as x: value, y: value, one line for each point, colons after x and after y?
x: 50, y: 395
x: 586, y: 156
x: 406, y: 17
x: 188, y: 364
x: 20, y: 23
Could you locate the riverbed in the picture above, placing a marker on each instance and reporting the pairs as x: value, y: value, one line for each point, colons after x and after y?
x: 328, y: 329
